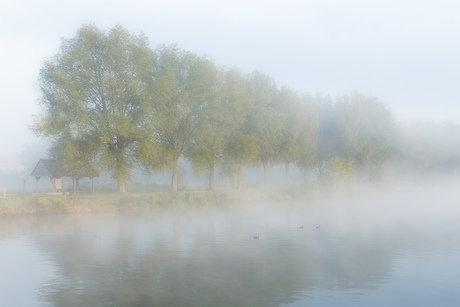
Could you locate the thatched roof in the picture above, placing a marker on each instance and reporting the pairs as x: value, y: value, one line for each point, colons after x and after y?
x: 51, y: 168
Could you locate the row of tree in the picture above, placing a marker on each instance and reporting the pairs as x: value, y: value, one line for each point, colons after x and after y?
x: 113, y: 102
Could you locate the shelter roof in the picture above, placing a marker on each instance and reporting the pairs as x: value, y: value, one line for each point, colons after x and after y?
x: 51, y: 168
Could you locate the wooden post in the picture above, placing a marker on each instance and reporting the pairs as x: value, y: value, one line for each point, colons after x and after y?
x: 4, y: 192
x: 92, y: 183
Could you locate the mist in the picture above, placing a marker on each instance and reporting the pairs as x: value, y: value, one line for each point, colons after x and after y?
x: 353, y: 247
x: 344, y: 190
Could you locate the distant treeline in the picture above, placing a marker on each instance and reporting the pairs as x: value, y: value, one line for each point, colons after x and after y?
x: 112, y: 102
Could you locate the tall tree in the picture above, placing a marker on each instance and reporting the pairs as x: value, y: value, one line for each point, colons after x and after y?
x: 367, y: 131
x: 222, y: 111
x: 328, y: 138
x: 177, y: 95
x: 239, y: 146
x: 95, y: 86
x: 240, y: 149
x: 266, y: 120
x: 289, y: 150
x: 307, y: 139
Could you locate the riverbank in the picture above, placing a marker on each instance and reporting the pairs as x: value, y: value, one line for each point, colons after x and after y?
x: 111, y: 202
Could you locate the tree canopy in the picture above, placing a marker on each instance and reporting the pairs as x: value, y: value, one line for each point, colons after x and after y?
x: 183, y: 83
x: 367, y: 130
x: 93, y: 89
x: 112, y: 101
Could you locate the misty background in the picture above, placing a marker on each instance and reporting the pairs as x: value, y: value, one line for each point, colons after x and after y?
x: 403, y: 52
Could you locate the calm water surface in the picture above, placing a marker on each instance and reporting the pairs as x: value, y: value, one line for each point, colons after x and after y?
x: 378, y: 250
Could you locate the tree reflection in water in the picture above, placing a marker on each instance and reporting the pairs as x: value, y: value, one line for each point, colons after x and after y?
x: 209, y: 258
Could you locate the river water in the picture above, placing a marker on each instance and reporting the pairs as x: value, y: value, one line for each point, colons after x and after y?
x: 375, y: 249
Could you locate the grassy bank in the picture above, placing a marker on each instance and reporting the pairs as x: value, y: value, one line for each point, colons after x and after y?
x: 60, y: 204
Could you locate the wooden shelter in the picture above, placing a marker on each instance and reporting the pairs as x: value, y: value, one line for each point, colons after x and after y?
x: 50, y: 168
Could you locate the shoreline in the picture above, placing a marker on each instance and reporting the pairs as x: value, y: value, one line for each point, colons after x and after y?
x: 39, y: 204
x: 29, y: 204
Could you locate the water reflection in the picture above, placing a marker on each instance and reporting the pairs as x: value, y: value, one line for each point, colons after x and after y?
x: 209, y: 258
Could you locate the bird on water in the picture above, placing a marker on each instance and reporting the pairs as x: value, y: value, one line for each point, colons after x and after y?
x: 256, y: 237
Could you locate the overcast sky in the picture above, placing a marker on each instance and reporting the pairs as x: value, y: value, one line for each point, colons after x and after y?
x: 406, y: 53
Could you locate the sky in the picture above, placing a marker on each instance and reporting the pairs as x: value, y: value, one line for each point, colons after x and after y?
x: 404, y: 52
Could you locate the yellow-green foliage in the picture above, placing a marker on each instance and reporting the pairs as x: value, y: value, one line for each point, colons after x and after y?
x: 338, y: 167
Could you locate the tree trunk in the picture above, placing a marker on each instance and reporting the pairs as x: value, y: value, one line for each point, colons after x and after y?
x: 211, y: 178
x: 288, y: 173
x: 121, y: 186
x: 174, y: 175
x: 265, y: 164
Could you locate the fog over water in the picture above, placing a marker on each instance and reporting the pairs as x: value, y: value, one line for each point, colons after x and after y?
x: 393, y: 247
x: 375, y: 234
